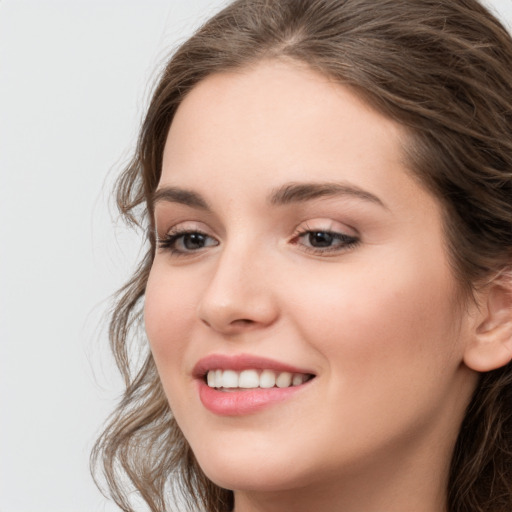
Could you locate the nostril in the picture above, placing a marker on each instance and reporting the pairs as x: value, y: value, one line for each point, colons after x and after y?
x: 238, y: 322
x: 241, y: 324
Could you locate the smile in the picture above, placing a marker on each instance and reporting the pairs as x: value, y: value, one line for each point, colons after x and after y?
x: 253, y: 379
x: 234, y: 385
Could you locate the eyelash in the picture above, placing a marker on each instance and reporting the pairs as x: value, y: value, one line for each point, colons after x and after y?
x: 169, y: 241
x: 346, y: 242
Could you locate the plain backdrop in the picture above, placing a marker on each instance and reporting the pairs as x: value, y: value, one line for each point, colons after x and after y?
x: 75, y: 77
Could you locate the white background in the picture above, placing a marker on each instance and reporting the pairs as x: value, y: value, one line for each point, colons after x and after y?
x: 74, y: 80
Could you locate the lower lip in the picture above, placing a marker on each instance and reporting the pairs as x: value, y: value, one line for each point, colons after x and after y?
x: 245, y: 401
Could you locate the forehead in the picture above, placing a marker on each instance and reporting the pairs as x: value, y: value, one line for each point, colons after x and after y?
x: 279, y: 121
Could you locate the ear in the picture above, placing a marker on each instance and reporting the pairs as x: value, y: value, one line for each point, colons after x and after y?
x: 491, y: 343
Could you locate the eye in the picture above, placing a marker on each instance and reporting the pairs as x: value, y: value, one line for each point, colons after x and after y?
x: 183, y: 242
x: 320, y: 238
x: 324, y: 241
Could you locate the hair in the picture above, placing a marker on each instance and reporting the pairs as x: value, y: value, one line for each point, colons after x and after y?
x: 440, y: 68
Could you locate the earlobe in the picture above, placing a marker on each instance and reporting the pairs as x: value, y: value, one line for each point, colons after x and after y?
x: 491, y: 344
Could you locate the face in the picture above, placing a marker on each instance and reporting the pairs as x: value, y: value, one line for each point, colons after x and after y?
x: 301, y: 309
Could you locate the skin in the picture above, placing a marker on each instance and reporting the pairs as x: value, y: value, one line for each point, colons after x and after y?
x: 378, y: 322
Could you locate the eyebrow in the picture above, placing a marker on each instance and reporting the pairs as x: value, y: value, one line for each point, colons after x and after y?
x: 283, y: 195
x: 181, y: 196
x: 302, y: 192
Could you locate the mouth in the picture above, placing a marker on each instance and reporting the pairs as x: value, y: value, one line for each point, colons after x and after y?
x: 232, y: 380
x: 245, y: 384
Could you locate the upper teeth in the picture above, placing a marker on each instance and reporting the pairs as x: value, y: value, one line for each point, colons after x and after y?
x: 248, y: 379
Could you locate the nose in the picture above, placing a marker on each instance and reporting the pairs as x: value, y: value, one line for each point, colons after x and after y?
x: 240, y: 294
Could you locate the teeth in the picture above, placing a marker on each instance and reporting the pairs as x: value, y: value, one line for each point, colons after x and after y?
x: 267, y: 379
x: 284, y: 380
x: 298, y: 379
x: 229, y: 379
x: 251, y: 379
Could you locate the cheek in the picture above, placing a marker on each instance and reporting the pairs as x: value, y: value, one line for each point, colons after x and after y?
x: 393, y: 319
x: 169, y: 316
x: 170, y: 304
x: 389, y: 348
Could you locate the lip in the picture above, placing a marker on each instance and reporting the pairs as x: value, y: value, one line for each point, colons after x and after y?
x: 243, y: 401
x: 240, y: 362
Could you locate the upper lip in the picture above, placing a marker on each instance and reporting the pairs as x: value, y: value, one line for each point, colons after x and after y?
x: 240, y: 362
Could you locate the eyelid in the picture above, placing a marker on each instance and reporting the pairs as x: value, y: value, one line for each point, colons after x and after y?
x: 326, y: 224
x: 169, y: 228
x: 345, y: 241
x: 168, y: 241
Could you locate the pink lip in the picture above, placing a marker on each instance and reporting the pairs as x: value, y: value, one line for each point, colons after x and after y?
x: 241, y: 362
x: 242, y: 402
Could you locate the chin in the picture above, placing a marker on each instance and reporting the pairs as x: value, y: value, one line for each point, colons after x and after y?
x: 257, y: 473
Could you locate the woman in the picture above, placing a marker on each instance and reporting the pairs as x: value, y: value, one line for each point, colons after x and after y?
x: 327, y: 292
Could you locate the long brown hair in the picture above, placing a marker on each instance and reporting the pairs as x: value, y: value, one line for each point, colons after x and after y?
x: 440, y: 68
